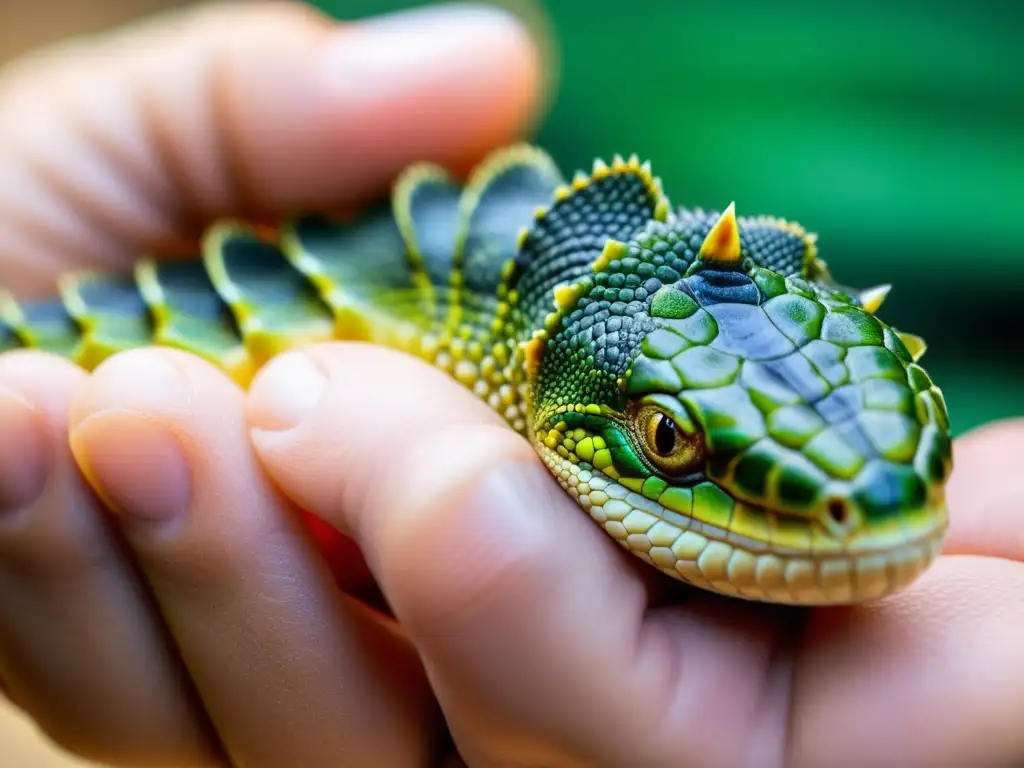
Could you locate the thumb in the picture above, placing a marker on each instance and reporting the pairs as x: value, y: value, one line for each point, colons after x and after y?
x: 525, y: 614
x: 137, y: 140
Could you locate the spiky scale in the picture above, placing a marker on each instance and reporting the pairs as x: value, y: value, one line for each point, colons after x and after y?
x: 872, y: 298
x: 722, y: 243
x: 914, y: 344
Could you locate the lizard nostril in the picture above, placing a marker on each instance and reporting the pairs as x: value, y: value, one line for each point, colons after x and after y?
x: 840, y: 516
x: 838, y: 512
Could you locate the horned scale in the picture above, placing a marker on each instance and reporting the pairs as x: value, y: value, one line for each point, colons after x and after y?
x: 697, y: 382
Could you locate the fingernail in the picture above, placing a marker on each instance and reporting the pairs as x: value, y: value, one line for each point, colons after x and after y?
x: 129, y: 458
x: 134, y: 464
x: 24, y: 454
x: 380, y: 56
x: 285, y: 392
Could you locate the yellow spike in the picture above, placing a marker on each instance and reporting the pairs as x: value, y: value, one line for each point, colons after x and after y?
x: 562, y: 191
x: 661, y: 210
x: 618, y: 162
x: 567, y: 295
x: 521, y: 238
x: 10, y: 311
x: 509, y: 267
x: 152, y: 294
x: 723, y: 241
x: 600, y: 167
x: 633, y: 161
x: 915, y: 345
x: 872, y: 298
x: 533, y: 353
x: 67, y: 287
x: 613, y: 250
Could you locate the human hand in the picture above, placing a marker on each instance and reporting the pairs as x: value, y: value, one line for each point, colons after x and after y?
x: 147, y: 637
x: 546, y: 644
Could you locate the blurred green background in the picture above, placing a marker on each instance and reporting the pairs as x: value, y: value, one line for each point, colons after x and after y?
x: 893, y: 128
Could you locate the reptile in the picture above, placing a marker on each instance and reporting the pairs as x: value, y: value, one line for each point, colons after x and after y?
x: 697, y: 382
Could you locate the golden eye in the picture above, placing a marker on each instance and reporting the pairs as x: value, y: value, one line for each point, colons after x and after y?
x: 667, y: 446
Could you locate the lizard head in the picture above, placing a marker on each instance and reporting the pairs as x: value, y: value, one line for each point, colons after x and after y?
x: 752, y: 433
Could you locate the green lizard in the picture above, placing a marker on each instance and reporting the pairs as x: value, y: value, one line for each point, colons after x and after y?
x: 696, y: 382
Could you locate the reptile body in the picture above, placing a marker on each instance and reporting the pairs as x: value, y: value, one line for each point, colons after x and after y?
x: 697, y: 382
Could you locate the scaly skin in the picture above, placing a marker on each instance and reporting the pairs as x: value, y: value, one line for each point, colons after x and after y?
x: 696, y: 382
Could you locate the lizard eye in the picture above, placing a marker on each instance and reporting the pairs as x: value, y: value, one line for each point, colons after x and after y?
x: 667, y: 446
x: 663, y: 436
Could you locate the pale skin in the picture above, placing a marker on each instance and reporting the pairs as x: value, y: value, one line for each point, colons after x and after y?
x: 194, y: 622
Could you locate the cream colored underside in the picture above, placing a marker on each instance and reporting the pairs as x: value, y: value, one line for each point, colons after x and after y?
x: 708, y: 557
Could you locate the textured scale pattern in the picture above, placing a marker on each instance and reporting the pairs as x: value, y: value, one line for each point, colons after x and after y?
x: 696, y: 381
x: 570, y: 237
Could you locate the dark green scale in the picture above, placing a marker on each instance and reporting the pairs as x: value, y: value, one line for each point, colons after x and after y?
x: 194, y: 315
x: 44, y: 324
x: 7, y: 338
x: 112, y: 314
x: 433, y: 220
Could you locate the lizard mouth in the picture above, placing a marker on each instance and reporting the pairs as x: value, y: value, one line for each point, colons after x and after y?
x: 715, y: 559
